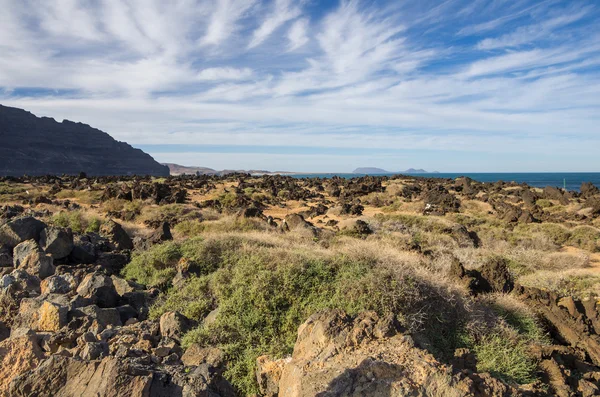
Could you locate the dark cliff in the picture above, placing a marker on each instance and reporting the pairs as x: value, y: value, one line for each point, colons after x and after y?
x: 37, y: 146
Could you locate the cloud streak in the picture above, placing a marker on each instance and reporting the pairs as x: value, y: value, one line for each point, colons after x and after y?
x: 465, y: 76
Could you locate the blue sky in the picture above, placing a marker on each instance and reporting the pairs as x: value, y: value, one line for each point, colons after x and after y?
x: 306, y: 85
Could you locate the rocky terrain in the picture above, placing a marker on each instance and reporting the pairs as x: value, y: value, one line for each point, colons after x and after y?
x: 274, y: 286
x: 41, y: 146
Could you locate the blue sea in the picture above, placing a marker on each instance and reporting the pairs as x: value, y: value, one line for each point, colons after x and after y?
x: 570, y: 180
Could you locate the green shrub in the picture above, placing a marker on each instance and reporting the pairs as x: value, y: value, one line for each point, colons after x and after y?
x: 82, y: 196
x: 585, y: 237
x: 78, y: 221
x: 264, y: 293
x: 543, y: 203
x: 505, y: 358
x: 193, y: 228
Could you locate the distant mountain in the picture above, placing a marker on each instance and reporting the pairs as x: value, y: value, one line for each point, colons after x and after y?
x: 176, y: 169
x: 373, y: 171
x: 38, y: 146
x: 370, y: 170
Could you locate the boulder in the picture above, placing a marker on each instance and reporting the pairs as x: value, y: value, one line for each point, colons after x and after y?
x: 553, y: 193
x: 67, y: 377
x: 58, y: 284
x: 104, y: 316
x: 117, y: 236
x: 6, y: 259
x: 94, y: 351
x: 174, y: 324
x: 23, y: 250
x: 20, y: 229
x: 22, y: 280
x: 268, y: 375
x: 56, y: 241
x: 83, y: 252
x: 297, y: 222
x: 337, y: 355
x: 588, y: 189
x: 4, y: 331
x: 361, y: 228
x: 112, y: 262
x: 38, y: 264
x: 163, y: 233
x: 196, y: 355
x: 52, y: 317
x: 17, y: 356
x: 100, y: 289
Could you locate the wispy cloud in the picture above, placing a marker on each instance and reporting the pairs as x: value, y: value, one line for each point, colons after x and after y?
x: 507, y: 78
x: 282, y: 12
x: 298, y: 34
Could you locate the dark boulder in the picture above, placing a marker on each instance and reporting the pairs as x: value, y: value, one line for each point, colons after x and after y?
x: 100, y: 289
x: 20, y: 229
x: 117, y: 236
x: 57, y: 242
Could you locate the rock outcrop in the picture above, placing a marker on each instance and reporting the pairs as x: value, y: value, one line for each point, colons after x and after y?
x: 41, y: 146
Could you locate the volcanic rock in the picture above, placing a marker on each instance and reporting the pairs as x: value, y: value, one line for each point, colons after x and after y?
x: 57, y: 242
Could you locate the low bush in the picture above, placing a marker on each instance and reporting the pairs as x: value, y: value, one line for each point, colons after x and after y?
x: 505, y: 358
x: 81, y: 196
x: 78, y: 221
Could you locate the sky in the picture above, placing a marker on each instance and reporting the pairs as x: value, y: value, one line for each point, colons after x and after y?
x: 318, y: 86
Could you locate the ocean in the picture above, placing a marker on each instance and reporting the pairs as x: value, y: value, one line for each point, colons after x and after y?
x: 570, y: 180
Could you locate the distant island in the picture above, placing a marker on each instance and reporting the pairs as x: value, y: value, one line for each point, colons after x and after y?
x: 176, y: 169
x: 374, y: 170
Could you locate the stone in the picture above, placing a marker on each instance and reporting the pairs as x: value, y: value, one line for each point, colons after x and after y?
x: 83, y: 252
x: 103, y: 316
x: 196, y: 355
x: 268, y: 375
x: 4, y: 331
x: 112, y: 262
x: 118, y: 237
x: 24, y: 281
x: 126, y: 312
x: 162, y: 234
x: 58, y: 284
x: 52, y: 317
x: 17, y: 356
x: 123, y: 286
x: 38, y: 264
x: 174, y: 325
x: 18, y: 230
x: 100, y: 288
x: 6, y: 259
x: 56, y: 241
x: 23, y: 250
x: 94, y: 350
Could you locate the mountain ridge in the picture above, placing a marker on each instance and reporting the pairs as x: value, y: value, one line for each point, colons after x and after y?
x: 34, y: 145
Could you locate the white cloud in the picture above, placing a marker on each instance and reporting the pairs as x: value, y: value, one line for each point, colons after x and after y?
x: 212, y: 74
x: 298, y: 34
x: 233, y: 72
x: 224, y: 19
x: 283, y: 11
x: 529, y: 34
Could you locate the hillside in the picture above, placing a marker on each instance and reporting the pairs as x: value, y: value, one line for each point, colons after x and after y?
x: 176, y: 169
x: 37, y: 146
x: 238, y: 285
